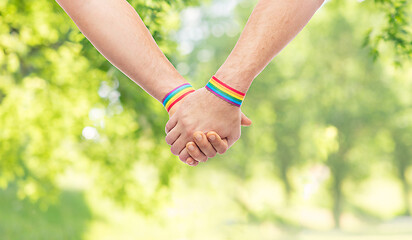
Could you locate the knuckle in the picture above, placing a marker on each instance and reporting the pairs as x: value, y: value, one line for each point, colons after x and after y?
x: 196, y: 155
x: 202, y: 144
x: 174, y: 150
x: 216, y: 141
x: 189, y: 132
x: 182, y: 158
x: 184, y: 123
x: 188, y: 137
x: 184, y: 155
x: 211, y: 154
x: 213, y: 135
x: 168, y: 139
x: 190, y: 150
x: 188, y: 128
x: 168, y: 126
x: 237, y: 135
x: 202, y: 158
x: 222, y: 150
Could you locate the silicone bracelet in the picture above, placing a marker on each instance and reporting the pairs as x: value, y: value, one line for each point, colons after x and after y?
x: 225, y: 92
x: 176, y: 95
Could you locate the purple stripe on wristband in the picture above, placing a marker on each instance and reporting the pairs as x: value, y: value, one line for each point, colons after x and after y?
x: 221, y: 97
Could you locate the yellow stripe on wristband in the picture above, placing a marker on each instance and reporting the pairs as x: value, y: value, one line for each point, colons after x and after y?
x: 176, y: 95
x: 222, y: 88
x: 225, y: 92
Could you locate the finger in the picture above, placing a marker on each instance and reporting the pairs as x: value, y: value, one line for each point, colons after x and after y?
x: 195, y: 153
x: 220, y: 145
x: 191, y: 162
x: 204, y: 145
x: 231, y: 139
x: 178, y: 145
x: 245, y: 121
x: 184, y: 157
x: 172, y: 136
x: 170, y: 124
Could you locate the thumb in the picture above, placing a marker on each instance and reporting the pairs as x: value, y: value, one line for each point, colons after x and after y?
x: 245, y: 121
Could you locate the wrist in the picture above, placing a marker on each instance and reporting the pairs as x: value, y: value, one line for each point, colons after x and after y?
x: 176, y: 95
x: 166, y: 85
x: 236, y: 78
x: 176, y: 106
x: 225, y: 92
x: 173, y: 109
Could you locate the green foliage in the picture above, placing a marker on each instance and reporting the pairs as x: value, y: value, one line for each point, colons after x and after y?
x: 323, y: 102
x: 24, y: 220
x: 55, y: 87
x: 395, y: 34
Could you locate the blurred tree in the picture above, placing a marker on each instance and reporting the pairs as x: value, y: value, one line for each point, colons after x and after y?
x: 63, y: 106
x: 402, y: 155
x: 395, y: 33
x: 321, y: 100
x: 345, y: 90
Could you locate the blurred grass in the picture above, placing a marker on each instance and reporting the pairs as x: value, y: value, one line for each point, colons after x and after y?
x: 84, y: 215
x: 239, y: 196
x: 21, y: 219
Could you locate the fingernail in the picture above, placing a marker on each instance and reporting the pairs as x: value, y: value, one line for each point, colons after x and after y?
x: 190, y: 162
x: 198, y: 137
x: 212, y: 137
x: 191, y: 147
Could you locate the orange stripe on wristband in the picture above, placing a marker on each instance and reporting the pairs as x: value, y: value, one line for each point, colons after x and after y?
x: 176, y: 95
x: 178, y: 99
x: 225, y: 92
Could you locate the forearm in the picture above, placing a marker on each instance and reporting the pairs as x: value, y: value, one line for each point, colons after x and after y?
x: 117, y: 31
x: 271, y: 26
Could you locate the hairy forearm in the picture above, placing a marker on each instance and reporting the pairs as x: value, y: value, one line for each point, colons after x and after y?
x: 271, y: 26
x: 117, y: 31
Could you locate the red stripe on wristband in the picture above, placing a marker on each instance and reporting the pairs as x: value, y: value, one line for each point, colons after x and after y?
x: 221, y: 97
x: 178, y: 99
x: 224, y: 84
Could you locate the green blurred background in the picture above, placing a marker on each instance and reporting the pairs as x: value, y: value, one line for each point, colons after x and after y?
x: 329, y: 154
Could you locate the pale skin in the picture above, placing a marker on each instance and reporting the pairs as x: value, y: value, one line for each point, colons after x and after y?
x: 114, y: 28
x: 117, y: 31
x: 271, y: 26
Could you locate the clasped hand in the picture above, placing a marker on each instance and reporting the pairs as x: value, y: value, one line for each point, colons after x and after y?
x: 199, y: 113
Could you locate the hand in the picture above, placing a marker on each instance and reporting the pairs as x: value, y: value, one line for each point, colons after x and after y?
x: 210, y: 144
x: 204, y: 147
x: 202, y: 111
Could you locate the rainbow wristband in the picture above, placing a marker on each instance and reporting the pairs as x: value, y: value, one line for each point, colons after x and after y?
x: 176, y: 95
x: 225, y: 92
